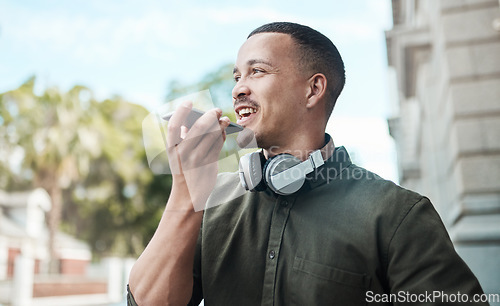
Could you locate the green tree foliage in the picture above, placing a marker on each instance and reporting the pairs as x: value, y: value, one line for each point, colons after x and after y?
x: 117, y: 207
x: 89, y: 156
x: 55, y: 136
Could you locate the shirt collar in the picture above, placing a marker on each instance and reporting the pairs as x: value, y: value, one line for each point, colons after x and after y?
x: 337, y: 162
x: 329, y: 147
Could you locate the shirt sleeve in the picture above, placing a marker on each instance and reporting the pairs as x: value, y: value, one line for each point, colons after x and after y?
x: 197, y: 295
x: 421, y: 260
x: 130, y: 298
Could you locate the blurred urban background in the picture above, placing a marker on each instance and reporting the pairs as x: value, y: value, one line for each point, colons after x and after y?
x: 446, y: 61
x: 78, y: 202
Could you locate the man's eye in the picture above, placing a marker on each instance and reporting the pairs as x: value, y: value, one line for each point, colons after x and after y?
x: 257, y: 70
x: 237, y: 78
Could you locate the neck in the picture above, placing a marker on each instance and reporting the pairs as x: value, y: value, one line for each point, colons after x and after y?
x: 300, y: 148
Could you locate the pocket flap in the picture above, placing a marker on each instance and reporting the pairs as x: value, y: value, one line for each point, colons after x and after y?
x: 331, y: 273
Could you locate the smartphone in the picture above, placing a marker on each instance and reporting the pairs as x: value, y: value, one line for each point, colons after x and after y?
x: 194, y: 114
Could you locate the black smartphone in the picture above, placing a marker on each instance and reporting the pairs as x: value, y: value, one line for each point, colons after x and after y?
x: 194, y: 114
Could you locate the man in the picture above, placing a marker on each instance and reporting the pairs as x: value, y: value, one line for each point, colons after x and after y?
x: 345, y: 237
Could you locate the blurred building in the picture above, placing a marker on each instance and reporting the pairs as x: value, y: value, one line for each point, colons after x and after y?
x: 22, y: 225
x: 445, y: 61
x: 24, y: 253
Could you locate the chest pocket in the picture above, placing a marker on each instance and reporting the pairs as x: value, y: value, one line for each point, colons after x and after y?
x: 318, y: 284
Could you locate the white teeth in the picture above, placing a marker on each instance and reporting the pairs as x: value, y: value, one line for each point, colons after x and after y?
x: 245, y: 111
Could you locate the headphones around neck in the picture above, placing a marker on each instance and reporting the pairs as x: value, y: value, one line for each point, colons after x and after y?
x: 284, y: 174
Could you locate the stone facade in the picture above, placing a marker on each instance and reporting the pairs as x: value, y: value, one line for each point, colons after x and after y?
x: 445, y: 59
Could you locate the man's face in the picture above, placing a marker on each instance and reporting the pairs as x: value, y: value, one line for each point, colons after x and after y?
x: 270, y: 91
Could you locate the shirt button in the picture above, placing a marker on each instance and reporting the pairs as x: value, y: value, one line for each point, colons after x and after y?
x: 284, y: 203
x: 272, y: 254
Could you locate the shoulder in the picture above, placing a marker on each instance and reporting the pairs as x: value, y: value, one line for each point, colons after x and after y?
x: 370, y: 198
x: 363, y: 186
x: 357, y: 185
x: 383, y: 189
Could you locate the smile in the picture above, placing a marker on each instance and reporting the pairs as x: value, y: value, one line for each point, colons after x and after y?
x: 245, y: 113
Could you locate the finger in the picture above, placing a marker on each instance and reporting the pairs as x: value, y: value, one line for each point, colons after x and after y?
x: 212, y: 149
x: 203, y: 150
x: 206, y: 124
x: 176, y: 122
x: 224, y: 123
x: 217, y: 132
x: 204, y: 140
x: 184, y: 131
x: 201, y: 135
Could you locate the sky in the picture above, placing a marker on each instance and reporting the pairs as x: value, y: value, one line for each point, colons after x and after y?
x: 134, y: 49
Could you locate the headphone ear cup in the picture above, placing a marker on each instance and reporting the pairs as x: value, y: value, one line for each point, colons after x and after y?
x: 280, y: 163
x: 251, y: 171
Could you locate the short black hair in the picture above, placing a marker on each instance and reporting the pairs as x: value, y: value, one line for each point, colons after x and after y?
x: 317, y: 53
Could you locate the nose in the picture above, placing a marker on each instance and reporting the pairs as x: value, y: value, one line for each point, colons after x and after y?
x: 240, y: 89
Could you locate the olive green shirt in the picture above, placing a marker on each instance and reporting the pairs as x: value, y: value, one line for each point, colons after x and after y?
x: 346, y: 236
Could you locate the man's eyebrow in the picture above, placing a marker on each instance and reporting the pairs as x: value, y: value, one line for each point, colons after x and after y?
x: 258, y: 61
x: 253, y: 62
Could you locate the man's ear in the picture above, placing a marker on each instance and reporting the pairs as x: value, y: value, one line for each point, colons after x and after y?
x: 317, y: 89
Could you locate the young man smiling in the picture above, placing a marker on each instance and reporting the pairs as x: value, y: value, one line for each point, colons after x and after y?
x: 342, y: 233
x: 274, y: 77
